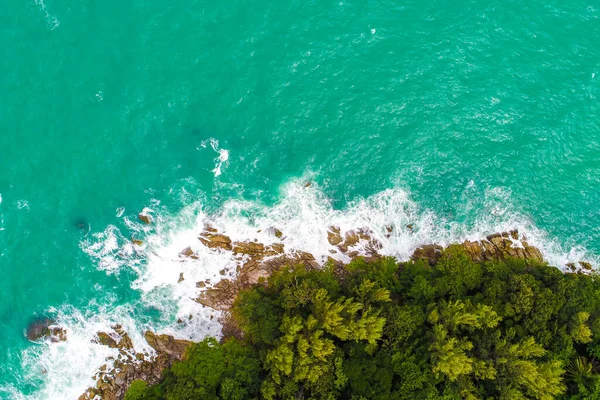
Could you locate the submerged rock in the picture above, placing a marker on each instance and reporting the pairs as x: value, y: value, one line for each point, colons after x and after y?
x: 39, y: 328
x: 82, y: 224
x: 44, y: 328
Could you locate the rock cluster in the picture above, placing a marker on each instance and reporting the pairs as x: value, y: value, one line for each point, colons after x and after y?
x: 499, y: 246
x: 256, y: 261
x: 259, y: 261
x: 582, y: 265
x: 112, y: 382
x: 348, y: 243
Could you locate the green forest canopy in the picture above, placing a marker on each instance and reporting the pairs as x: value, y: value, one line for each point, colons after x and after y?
x: 389, y: 330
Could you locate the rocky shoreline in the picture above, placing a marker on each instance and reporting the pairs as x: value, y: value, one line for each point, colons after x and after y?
x: 112, y: 382
x: 259, y: 261
x: 255, y: 263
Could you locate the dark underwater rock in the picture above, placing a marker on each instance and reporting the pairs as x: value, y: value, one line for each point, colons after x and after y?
x: 39, y: 328
x: 82, y: 224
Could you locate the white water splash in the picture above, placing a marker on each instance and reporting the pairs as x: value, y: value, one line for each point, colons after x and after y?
x: 222, y: 158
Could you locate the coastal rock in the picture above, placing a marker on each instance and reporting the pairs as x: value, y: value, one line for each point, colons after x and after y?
x: 145, y: 218
x: 495, y: 247
x: 474, y: 250
x: 274, y: 249
x: 532, y: 253
x: 106, y: 340
x: 215, y: 240
x: 119, y: 339
x: 351, y: 238
x: 250, y: 248
x: 275, y: 232
x: 210, y: 228
x: 334, y: 238
x: 429, y: 252
x: 585, y: 265
x: 57, y: 334
x: 112, y: 382
x: 222, y: 295
x: 167, y: 345
x: 189, y: 253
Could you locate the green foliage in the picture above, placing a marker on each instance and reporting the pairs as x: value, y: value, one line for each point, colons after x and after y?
x: 387, y: 330
x: 211, y: 370
x: 136, y: 391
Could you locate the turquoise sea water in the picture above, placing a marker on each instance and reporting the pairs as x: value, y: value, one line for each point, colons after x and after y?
x: 460, y: 119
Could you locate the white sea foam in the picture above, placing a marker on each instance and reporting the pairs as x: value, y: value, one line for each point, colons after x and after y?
x: 52, y: 21
x: 21, y: 204
x: 303, y: 214
x: 221, y: 159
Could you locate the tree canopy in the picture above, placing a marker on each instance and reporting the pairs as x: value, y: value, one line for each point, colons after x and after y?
x: 388, y: 330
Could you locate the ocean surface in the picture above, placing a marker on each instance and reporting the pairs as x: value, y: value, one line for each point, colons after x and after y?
x: 459, y: 119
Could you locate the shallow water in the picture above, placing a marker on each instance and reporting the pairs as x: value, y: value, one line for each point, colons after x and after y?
x: 458, y: 119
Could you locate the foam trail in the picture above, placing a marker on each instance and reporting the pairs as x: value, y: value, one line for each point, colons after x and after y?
x: 51, y: 20
x: 221, y: 159
x: 303, y: 214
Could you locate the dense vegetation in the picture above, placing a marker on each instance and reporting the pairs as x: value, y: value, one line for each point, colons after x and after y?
x: 388, y: 330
